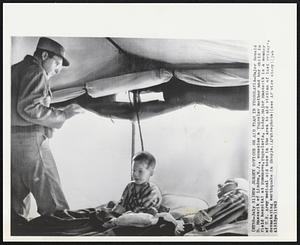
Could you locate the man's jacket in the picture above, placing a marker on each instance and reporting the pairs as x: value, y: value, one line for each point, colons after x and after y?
x: 31, y: 96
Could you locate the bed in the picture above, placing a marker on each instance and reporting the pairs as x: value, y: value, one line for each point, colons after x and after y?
x: 88, y: 222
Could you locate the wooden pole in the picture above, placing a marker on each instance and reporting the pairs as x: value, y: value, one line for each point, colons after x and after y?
x: 132, y: 145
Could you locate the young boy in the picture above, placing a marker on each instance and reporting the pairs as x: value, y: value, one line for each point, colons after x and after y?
x: 136, y: 193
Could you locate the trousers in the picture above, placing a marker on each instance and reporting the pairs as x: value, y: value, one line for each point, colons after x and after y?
x: 33, y: 170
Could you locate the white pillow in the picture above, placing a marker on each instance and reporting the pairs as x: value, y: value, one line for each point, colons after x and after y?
x: 175, y: 201
x: 181, y: 205
x: 136, y: 219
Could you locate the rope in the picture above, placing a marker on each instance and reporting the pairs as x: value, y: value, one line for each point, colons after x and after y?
x: 115, y: 45
x: 136, y: 102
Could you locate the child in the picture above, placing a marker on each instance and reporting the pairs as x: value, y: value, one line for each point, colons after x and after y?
x: 134, y: 197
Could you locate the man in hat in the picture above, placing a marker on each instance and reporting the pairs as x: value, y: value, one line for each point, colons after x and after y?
x: 33, y: 169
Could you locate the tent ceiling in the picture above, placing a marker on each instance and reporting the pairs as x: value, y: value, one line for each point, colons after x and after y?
x: 186, y: 51
x: 90, y: 58
x: 95, y: 59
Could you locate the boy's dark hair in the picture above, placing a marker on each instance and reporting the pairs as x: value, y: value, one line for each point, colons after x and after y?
x: 145, y: 157
x: 38, y: 53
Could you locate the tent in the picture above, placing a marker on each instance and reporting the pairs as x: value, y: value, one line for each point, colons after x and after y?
x: 186, y: 101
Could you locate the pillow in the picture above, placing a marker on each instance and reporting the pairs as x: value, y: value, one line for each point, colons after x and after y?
x: 183, y: 206
x: 136, y: 219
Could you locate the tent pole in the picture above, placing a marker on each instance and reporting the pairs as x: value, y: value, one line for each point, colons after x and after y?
x: 132, y: 145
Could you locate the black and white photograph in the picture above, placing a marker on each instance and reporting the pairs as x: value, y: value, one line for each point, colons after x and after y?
x: 125, y: 136
x: 140, y: 136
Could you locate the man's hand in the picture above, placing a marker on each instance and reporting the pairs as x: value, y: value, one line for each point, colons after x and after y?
x: 72, y: 110
x: 154, y: 199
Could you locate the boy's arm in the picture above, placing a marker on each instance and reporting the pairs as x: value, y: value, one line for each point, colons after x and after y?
x: 120, y: 207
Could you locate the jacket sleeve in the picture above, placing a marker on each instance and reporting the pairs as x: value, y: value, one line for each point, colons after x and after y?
x: 32, y: 93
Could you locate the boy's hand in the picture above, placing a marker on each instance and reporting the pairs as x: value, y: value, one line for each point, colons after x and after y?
x: 118, y: 209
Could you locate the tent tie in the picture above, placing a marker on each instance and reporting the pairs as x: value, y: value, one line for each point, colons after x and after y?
x: 136, y: 104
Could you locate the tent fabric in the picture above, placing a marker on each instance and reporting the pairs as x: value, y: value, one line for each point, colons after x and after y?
x: 96, y: 58
x: 133, y: 81
x: 176, y: 95
x: 146, y: 63
x: 188, y: 51
x: 227, y: 77
x: 113, y: 85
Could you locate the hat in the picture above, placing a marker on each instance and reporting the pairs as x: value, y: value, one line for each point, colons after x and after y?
x: 54, y: 47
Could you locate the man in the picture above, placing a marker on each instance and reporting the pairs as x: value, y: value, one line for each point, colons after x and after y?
x: 33, y: 168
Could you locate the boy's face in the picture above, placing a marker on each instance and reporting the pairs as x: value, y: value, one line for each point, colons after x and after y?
x: 141, y: 173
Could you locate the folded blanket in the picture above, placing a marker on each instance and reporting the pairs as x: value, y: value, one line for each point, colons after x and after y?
x: 127, y: 82
x: 227, y: 77
x: 67, y: 94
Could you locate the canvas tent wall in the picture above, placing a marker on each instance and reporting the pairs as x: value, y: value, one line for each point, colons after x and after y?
x: 196, y: 145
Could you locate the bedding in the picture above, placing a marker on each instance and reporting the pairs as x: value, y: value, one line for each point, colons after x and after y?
x: 239, y: 228
x: 114, y: 85
x: 183, y: 206
x: 87, y: 222
x: 225, y: 77
x: 91, y: 222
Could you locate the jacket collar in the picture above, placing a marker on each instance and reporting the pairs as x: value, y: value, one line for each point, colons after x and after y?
x: 37, y: 61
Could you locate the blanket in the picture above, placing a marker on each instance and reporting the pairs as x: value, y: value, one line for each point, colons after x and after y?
x: 87, y: 222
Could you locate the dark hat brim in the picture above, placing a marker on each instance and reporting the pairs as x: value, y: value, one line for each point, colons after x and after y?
x: 65, y: 62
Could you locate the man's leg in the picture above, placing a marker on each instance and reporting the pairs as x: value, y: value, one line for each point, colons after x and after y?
x: 20, y: 199
x: 44, y: 182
